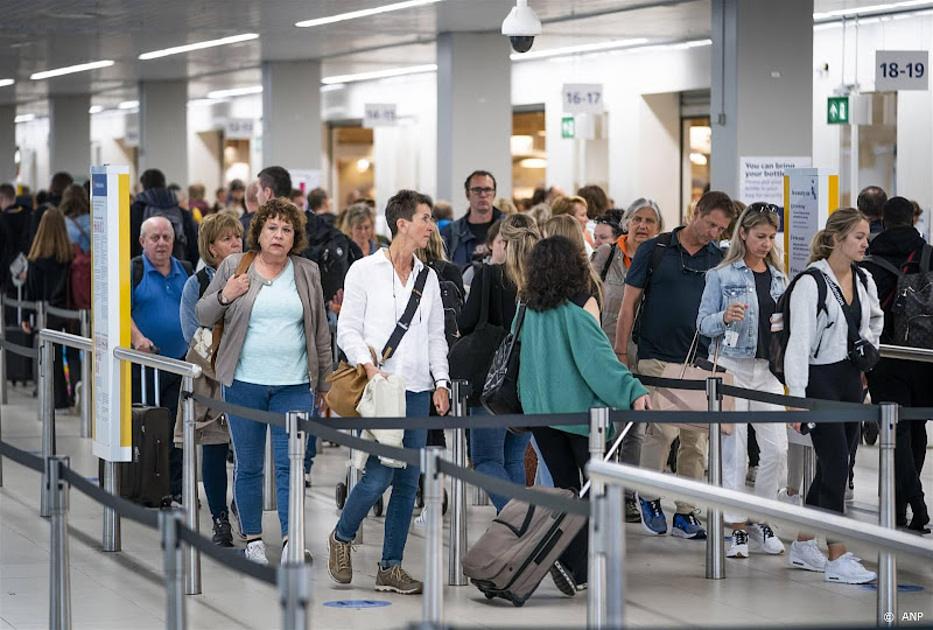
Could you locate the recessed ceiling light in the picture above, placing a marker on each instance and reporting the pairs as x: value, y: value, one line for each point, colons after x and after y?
x: 244, y: 91
x: 872, y: 8
x: 379, y: 74
x: 177, y: 50
x: 352, y: 15
x: 81, y: 67
x: 128, y: 105
x: 577, y: 50
x: 24, y: 118
x: 6, y: 82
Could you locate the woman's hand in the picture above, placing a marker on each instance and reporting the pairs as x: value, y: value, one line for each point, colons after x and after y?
x: 642, y: 403
x: 734, y: 313
x: 795, y: 426
x: 235, y: 287
x: 372, y: 371
x: 442, y: 401
x: 322, y: 408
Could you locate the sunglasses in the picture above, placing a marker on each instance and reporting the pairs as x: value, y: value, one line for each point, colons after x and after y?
x: 762, y: 208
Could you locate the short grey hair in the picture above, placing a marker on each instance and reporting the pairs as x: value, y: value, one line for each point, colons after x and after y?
x: 152, y: 221
x: 638, y: 204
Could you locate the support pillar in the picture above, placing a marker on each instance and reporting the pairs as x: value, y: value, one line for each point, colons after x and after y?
x: 291, y: 114
x: 163, y: 129
x: 7, y: 143
x: 70, y: 135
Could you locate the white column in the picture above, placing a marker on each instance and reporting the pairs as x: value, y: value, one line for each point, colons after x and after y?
x: 762, y: 89
x: 291, y: 114
x: 7, y: 143
x: 163, y: 129
x: 70, y: 135
x: 474, y: 112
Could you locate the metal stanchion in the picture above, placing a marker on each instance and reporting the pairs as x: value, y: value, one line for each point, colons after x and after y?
x: 59, y: 562
x: 887, y: 561
x: 296, y: 487
x: 3, y: 392
x: 268, y: 475
x: 458, y: 516
x: 46, y: 412
x: 189, y: 485
x: 295, y: 595
x: 613, y: 549
x: 85, y: 377
x: 715, y: 545
x: 173, y: 569
x: 596, y: 589
x: 38, y: 324
x: 809, y: 472
x: 111, y: 536
x: 433, y: 601
x: 353, y: 477
x: 479, y: 496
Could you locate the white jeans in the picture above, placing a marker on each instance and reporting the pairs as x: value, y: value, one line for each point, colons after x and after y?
x: 771, y: 436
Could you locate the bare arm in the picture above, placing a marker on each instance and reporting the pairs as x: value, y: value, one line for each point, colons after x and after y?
x: 631, y: 298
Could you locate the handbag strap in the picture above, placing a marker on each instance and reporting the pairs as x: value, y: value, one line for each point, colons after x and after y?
x: 691, y: 353
x: 404, y: 321
x: 487, y: 272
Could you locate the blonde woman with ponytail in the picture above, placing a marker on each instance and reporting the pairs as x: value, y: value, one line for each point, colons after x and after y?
x: 828, y: 298
x: 735, y: 312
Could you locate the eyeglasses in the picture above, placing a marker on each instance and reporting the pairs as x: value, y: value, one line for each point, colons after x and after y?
x: 482, y: 191
x: 762, y: 207
x: 686, y: 269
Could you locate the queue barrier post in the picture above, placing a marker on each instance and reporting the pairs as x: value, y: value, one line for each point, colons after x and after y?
x: 596, y: 614
x: 353, y: 477
x: 85, y: 398
x: 715, y: 545
x: 268, y: 475
x: 173, y: 568
x: 887, y: 561
x: 56, y: 489
x: 296, y: 487
x: 189, y: 485
x: 45, y: 377
x: 39, y: 323
x: 294, y: 594
x: 458, y: 521
x: 111, y: 535
x: 433, y: 601
x: 3, y: 392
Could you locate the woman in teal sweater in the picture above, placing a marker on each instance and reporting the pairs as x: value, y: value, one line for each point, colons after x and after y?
x: 567, y: 365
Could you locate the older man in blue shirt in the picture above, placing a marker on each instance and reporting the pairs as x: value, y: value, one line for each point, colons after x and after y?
x: 158, y: 281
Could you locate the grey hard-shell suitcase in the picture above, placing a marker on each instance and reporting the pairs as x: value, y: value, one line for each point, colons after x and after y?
x: 522, y: 544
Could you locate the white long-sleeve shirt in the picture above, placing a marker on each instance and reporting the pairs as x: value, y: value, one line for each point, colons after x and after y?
x: 374, y: 299
x: 824, y: 339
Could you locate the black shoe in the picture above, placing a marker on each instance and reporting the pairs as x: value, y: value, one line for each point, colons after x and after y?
x: 920, y: 518
x: 563, y: 579
x: 223, y: 535
x: 632, y: 514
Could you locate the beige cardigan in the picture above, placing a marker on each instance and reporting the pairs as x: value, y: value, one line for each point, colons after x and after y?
x: 236, y: 317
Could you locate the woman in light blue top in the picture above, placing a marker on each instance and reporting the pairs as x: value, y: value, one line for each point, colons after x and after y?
x: 735, y: 312
x: 76, y: 208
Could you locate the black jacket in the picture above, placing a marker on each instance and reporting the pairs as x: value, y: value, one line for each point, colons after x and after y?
x: 502, y: 297
x: 895, y: 245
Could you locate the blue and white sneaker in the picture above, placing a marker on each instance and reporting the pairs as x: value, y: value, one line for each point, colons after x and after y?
x: 652, y: 516
x: 687, y: 526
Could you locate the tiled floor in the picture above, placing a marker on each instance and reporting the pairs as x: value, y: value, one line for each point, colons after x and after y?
x: 665, y: 576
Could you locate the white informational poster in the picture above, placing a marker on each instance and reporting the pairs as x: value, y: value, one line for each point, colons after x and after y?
x: 305, y: 179
x: 379, y: 115
x: 110, y: 311
x: 901, y: 70
x: 762, y: 178
x: 583, y: 98
x: 810, y: 196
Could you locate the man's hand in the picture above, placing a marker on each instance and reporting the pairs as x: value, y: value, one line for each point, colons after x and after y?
x: 642, y: 403
x: 143, y: 343
x: 442, y: 401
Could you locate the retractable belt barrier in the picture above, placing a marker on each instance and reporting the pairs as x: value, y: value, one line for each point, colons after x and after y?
x: 23, y: 351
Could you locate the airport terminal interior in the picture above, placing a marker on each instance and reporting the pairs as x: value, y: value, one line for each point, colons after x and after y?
x: 792, y: 137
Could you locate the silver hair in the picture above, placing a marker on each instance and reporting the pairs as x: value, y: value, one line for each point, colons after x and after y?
x: 638, y: 204
x: 148, y: 223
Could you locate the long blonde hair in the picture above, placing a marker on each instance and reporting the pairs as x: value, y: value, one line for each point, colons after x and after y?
x: 751, y: 217
x: 520, y: 233
x: 51, y: 238
x: 838, y: 226
x: 568, y: 227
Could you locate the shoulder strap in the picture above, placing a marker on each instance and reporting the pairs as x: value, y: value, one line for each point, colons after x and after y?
x: 203, y: 282
x: 821, y: 291
x: 925, y: 255
x: 487, y: 291
x: 136, y: 270
x: 186, y: 266
x: 884, y: 264
x: 657, y: 253
x: 245, y: 262
x: 850, y: 322
x: 605, y: 270
x: 405, y: 320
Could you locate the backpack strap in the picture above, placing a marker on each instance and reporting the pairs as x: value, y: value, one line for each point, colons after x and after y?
x: 925, y: 255
x: 884, y: 264
x: 189, y: 270
x: 203, y: 282
x: 405, y: 320
x: 822, y: 290
x: 486, y: 270
x: 605, y: 270
x: 136, y: 270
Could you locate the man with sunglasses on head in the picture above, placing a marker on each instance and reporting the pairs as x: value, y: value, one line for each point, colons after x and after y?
x: 663, y: 287
x: 463, y: 236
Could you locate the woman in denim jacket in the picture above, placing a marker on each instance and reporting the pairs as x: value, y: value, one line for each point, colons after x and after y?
x: 740, y: 296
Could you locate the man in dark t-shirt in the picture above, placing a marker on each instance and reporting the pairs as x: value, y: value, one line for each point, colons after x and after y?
x: 668, y: 284
x: 463, y: 236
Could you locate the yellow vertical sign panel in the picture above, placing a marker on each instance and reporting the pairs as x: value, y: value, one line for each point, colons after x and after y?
x: 126, y: 402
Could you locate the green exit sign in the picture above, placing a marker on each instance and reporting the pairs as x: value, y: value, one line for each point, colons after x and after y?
x: 837, y: 110
x: 568, y: 127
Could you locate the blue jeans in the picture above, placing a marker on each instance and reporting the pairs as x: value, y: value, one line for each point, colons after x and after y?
x: 376, y: 478
x: 543, y: 476
x: 214, y: 475
x: 249, y: 440
x: 310, y: 450
x: 498, y: 453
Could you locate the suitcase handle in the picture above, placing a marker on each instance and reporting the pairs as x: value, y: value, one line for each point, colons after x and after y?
x: 523, y: 529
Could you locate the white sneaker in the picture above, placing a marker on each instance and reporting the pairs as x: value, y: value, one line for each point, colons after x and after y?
x: 256, y: 551
x: 806, y: 555
x: 792, y: 499
x: 739, y: 546
x: 308, y: 557
x: 847, y: 569
x: 764, y: 537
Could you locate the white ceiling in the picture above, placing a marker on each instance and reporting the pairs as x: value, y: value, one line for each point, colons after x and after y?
x: 38, y: 35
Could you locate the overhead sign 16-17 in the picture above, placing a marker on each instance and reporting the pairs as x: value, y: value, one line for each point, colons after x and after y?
x: 583, y: 98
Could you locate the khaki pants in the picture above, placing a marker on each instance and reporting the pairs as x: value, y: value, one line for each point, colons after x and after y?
x: 691, y: 456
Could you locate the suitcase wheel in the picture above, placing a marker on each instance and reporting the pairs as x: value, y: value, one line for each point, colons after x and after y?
x: 489, y: 595
x: 341, y: 495
x: 518, y: 603
x: 379, y: 508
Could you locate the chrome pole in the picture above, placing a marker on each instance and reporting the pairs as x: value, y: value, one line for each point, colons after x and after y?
x: 715, y: 545
x: 809, y: 471
x: 887, y: 561
x: 46, y: 412
x: 40, y: 324
x: 296, y: 487
x: 174, y: 568
x: 59, y: 560
x: 596, y: 589
x: 111, y: 538
x: 3, y: 392
x: 85, y: 377
x: 613, y: 549
x: 433, y: 602
x: 353, y: 477
x: 189, y: 485
x: 268, y: 475
x: 458, y: 516
x: 295, y: 594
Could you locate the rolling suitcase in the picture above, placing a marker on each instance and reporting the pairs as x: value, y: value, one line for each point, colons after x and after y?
x: 522, y: 543
x: 18, y: 368
x: 146, y: 479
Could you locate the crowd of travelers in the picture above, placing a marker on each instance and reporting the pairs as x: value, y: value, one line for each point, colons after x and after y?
x: 598, y: 296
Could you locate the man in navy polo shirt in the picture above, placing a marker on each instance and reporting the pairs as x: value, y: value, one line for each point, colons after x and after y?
x: 158, y: 280
x: 668, y: 285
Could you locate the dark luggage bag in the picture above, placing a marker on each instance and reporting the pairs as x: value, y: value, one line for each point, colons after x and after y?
x: 146, y: 479
x: 19, y: 369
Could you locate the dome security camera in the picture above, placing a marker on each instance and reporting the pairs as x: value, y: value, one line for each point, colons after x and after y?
x: 521, y: 26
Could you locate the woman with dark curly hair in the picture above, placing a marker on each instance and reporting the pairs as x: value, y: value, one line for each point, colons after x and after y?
x: 567, y: 365
x: 274, y: 353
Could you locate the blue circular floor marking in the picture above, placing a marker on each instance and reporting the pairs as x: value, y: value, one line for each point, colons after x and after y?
x: 357, y: 603
x: 901, y: 588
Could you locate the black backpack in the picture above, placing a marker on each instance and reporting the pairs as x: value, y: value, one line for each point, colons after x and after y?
x: 330, y: 249
x: 176, y: 217
x: 452, y: 299
x: 911, y: 303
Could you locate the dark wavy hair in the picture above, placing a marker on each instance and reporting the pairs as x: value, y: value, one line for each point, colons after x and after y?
x: 556, y: 272
x: 279, y: 208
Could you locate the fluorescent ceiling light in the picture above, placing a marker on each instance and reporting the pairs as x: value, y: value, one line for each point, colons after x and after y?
x: 332, y: 87
x: 6, y: 82
x: 128, y: 105
x: 81, y: 67
x: 24, y: 118
x: 873, y: 8
x: 352, y: 15
x: 379, y: 74
x: 581, y: 49
x: 244, y: 91
x: 95, y: 109
x: 177, y: 50
x: 197, y: 102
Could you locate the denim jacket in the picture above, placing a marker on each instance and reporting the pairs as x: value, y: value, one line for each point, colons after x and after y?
x: 726, y: 284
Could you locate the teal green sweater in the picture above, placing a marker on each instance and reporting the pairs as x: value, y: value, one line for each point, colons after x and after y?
x: 567, y: 366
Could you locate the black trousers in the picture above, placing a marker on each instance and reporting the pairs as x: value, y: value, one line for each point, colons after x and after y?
x: 832, y: 441
x: 566, y: 455
x: 169, y: 390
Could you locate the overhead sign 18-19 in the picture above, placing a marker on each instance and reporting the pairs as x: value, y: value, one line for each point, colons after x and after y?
x: 901, y: 70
